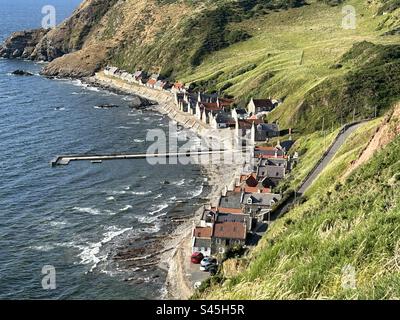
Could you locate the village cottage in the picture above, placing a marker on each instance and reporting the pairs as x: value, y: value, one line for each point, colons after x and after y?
x: 201, y: 240
x: 256, y: 106
x: 227, y: 235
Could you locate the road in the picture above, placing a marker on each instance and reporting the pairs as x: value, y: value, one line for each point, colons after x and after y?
x: 340, y: 140
x: 322, y: 164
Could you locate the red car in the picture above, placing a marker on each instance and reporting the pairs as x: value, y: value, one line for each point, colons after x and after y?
x: 196, y: 257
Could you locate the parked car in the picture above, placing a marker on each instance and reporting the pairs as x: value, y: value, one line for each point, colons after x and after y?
x: 208, y: 267
x: 208, y: 260
x: 196, y: 257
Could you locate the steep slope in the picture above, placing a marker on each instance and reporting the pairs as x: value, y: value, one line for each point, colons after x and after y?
x: 281, y: 48
x: 161, y: 36
x: 305, y: 57
x: 342, y: 243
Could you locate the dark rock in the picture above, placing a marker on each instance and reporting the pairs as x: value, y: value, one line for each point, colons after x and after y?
x: 107, y: 106
x: 22, y: 73
x: 21, y: 44
x: 141, y: 103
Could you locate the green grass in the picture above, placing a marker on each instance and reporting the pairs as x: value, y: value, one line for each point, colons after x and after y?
x: 310, y: 148
x: 294, y: 51
x: 354, y: 223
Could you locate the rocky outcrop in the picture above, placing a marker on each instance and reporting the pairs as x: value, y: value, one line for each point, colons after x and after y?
x: 22, y: 73
x: 79, y: 64
x: 75, y: 32
x: 22, y: 44
x: 71, y: 48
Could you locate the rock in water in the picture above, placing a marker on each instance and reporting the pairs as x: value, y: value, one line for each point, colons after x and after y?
x: 107, y: 106
x: 21, y: 44
x: 140, y: 103
x: 22, y: 73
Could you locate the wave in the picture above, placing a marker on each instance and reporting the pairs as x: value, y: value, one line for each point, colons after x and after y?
x: 92, y: 211
x: 141, y: 193
x: 58, y: 223
x: 196, y: 193
x: 124, y: 127
x: 138, y: 140
x: 90, y: 253
x: 78, y: 83
x: 43, y: 248
x: 180, y: 182
x: 110, y: 198
x: 136, y: 193
x: 159, y: 208
x: 126, y: 208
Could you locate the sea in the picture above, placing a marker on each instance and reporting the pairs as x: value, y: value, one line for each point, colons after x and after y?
x: 63, y: 229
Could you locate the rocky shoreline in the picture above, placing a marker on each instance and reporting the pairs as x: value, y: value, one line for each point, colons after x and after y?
x: 176, y: 248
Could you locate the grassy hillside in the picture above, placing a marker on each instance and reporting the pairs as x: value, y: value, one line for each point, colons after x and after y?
x: 354, y: 223
x: 294, y: 50
x: 304, y: 56
x: 188, y: 31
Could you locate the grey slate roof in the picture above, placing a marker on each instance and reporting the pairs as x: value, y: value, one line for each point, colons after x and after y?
x: 228, y: 217
x: 261, y: 199
x: 231, y: 200
x: 202, y: 243
x: 271, y: 171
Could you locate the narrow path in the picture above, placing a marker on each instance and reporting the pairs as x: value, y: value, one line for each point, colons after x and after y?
x: 340, y: 140
x: 317, y: 170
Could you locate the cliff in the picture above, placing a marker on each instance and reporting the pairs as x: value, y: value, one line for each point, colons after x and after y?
x: 161, y: 36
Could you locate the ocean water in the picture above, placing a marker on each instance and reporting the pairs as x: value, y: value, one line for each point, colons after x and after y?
x: 76, y: 218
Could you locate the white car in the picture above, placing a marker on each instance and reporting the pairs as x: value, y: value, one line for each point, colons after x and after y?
x: 207, y: 261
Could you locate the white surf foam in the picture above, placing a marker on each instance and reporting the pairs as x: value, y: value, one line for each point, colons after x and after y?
x: 90, y: 254
x: 126, y: 208
x: 158, y: 208
x: 141, y: 193
x: 196, y: 192
x: 179, y: 183
x: 43, y: 248
x: 93, y: 211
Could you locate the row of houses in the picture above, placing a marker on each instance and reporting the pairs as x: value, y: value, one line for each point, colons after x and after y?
x: 217, y: 112
x: 221, y: 113
x: 153, y: 81
x: 245, y: 204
